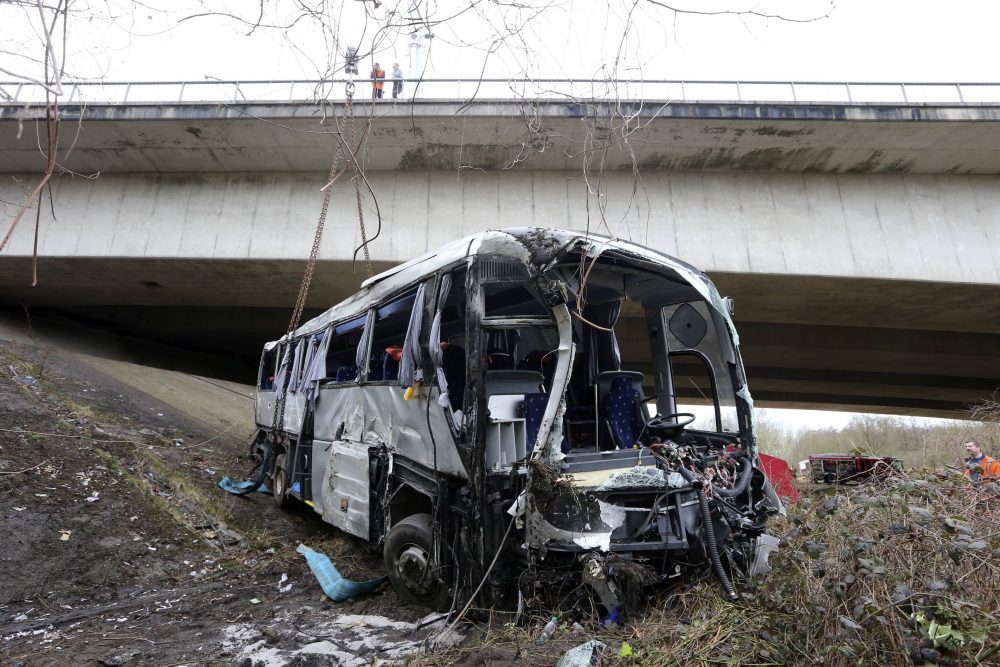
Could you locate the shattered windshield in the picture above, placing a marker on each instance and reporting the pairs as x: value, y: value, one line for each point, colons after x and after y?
x: 700, y: 362
x: 646, y: 343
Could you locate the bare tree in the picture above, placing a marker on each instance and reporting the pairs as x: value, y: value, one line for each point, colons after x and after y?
x: 51, y: 28
x: 510, y: 34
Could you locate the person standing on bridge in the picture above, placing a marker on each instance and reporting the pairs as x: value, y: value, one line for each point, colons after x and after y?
x: 979, y: 466
x: 378, y: 81
x: 397, y: 81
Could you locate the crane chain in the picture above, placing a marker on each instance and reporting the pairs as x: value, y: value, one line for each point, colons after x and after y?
x: 300, y: 303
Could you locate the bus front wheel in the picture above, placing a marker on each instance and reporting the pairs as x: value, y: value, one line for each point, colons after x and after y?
x: 411, y: 566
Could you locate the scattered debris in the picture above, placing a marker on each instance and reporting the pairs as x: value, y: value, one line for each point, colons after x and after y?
x: 547, y: 631
x: 330, y: 580
x: 586, y: 654
x: 64, y: 535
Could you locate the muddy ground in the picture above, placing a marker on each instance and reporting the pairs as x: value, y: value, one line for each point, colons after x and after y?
x: 119, y: 548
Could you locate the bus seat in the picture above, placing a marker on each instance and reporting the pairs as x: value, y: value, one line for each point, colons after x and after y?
x: 374, y: 369
x: 498, y: 360
x: 534, y: 410
x: 513, y: 382
x: 390, y: 368
x: 622, y: 409
x: 347, y: 374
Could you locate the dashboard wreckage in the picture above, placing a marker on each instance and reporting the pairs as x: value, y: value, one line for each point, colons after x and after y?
x: 474, y: 413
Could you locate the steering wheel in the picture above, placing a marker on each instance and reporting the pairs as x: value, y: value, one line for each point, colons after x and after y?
x: 661, y: 425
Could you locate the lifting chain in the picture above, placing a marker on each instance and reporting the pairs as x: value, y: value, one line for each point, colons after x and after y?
x: 300, y: 303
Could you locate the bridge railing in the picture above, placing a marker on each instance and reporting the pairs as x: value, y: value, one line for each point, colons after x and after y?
x: 290, y: 90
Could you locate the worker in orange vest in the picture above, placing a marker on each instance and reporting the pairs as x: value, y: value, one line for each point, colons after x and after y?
x: 978, y: 466
x: 378, y: 82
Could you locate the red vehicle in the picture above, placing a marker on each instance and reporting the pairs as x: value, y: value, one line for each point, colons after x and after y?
x: 845, y: 468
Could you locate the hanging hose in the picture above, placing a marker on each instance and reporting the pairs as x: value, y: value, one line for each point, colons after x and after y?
x: 262, y: 474
x: 746, y: 472
x: 713, y: 548
x: 711, y: 545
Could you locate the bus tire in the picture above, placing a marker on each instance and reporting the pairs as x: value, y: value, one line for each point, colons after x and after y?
x: 410, y: 564
x: 280, y: 485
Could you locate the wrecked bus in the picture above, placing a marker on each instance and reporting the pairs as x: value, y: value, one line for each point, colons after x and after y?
x: 517, y: 402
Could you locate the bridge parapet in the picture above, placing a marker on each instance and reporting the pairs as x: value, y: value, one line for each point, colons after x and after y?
x: 677, y: 90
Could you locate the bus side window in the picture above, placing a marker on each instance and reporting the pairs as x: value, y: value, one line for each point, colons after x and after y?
x: 452, y: 342
x: 341, y: 357
x: 391, y: 321
x: 695, y: 388
x: 268, y: 364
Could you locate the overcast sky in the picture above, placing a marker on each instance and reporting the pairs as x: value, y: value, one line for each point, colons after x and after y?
x: 859, y: 40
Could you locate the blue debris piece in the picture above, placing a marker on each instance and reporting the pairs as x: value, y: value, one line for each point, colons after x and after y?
x: 613, y: 619
x: 335, y: 586
x: 237, y: 488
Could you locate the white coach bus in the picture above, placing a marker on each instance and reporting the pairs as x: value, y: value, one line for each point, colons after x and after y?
x: 521, y: 400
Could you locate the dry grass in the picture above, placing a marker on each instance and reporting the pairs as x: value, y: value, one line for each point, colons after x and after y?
x: 902, y: 572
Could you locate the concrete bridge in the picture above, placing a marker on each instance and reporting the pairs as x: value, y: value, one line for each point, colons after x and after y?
x: 860, y: 240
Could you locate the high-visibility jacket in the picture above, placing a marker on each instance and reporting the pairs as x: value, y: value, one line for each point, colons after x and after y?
x: 378, y: 75
x: 989, y: 467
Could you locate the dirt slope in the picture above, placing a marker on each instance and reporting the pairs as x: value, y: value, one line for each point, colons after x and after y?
x: 121, y: 549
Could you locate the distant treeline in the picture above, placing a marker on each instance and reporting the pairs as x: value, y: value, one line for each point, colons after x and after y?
x: 920, y: 443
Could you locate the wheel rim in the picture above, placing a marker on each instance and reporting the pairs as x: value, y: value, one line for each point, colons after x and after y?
x: 413, y: 567
x: 279, y: 477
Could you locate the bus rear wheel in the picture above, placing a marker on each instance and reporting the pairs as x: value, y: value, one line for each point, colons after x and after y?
x: 280, y: 482
x: 411, y: 566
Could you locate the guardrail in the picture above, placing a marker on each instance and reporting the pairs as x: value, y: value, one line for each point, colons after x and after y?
x: 291, y: 90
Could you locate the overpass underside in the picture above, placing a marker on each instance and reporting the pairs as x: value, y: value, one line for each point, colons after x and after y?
x: 807, y: 341
x: 862, y: 281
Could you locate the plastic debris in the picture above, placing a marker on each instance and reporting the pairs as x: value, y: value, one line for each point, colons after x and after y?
x: 282, y: 586
x: 94, y: 497
x: 254, y: 601
x: 64, y: 535
x: 237, y: 488
x: 333, y: 584
x: 613, y: 619
x: 547, y: 631
x: 584, y: 655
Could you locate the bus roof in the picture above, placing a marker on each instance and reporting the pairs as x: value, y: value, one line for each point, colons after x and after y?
x: 532, y: 245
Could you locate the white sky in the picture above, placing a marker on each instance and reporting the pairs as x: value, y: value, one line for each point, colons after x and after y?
x: 861, y: 40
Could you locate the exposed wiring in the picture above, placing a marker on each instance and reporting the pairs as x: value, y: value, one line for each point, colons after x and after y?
x: 472, y: 597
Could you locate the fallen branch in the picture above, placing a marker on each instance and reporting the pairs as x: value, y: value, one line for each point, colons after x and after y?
x: 21, y: 431
x: 19, y: 472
